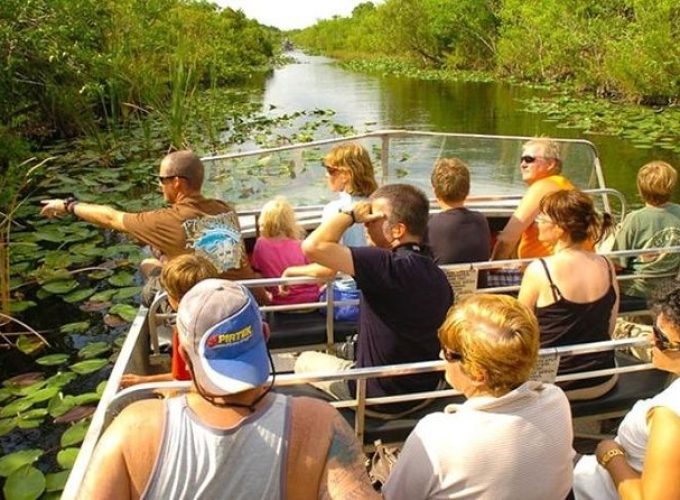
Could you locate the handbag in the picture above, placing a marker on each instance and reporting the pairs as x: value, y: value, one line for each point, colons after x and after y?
x: 344, y: 289
x: 382, y: 462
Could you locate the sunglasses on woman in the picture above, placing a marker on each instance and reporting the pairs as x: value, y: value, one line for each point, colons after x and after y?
x: 662, y: 342
x: 451, y: 356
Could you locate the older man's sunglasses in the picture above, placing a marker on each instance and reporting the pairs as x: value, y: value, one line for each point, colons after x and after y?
x: 662, y: 342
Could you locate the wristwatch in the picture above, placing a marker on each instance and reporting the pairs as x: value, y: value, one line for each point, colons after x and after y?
x: 348, y: 211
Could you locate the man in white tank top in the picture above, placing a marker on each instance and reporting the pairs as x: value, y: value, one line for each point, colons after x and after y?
x: 230, y: 437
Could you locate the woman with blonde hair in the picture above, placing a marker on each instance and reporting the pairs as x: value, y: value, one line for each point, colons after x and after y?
x: 574, y: 291
x: 512, y: 437
x: 278, y: 247
x: 349, y: 172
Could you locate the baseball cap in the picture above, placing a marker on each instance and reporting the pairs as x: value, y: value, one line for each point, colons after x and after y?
x: 220, y: 328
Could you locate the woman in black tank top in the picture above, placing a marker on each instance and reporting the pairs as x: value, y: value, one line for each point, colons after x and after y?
x: 573, y: 292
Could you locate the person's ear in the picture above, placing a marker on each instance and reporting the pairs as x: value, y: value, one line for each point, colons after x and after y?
x: 398, y: 230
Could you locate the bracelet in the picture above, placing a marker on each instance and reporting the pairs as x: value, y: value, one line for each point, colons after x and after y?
x: 349, y: 212
x: 608, y: 456
x: 70, y: 204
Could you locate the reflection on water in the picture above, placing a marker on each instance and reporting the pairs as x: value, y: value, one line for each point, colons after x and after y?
x: 373, y: 102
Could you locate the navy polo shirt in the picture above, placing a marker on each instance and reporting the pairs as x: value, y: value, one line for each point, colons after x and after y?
x: 405, y: 298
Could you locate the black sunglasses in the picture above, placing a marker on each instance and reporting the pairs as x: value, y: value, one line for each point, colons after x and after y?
x: 163, y: 178
x: 451, y: 356
x: 528, y: 159
x: 662, y: 342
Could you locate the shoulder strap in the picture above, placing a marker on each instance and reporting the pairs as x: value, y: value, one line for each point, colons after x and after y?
x: 555, y: 291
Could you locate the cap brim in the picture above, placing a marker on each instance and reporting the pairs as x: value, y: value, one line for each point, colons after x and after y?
x: 230, y: 376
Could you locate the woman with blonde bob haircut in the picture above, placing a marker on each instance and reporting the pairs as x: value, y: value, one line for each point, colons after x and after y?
x: 349, y: 172
x: 512, y: 437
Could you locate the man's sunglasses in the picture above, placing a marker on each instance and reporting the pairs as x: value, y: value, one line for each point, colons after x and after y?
x: 451, y: 356
x: 528, y: 158
x: 662, y: 342
x: 163, y: 178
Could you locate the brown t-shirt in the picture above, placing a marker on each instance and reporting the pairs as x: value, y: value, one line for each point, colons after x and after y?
x: 207, y: 226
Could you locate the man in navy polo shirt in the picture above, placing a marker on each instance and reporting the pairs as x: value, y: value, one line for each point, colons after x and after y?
x: 405, y: 296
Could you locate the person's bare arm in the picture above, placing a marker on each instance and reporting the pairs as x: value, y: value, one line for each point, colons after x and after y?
x: 125, y: 454
x: 130, y: 379
x: 100, y: 215
x: 312, y: 270
x: 661, y: 465
x: 345, y: 475
x: 521, y: 219
x: 322, y: 246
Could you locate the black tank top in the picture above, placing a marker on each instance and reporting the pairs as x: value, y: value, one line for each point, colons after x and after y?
x: 566, y: 323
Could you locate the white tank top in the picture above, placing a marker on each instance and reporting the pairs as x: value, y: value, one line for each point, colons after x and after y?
x: 247, y: 461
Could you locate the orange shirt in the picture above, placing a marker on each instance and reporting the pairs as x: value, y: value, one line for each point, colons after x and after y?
x: 179, y: 367
x: 529, y: 245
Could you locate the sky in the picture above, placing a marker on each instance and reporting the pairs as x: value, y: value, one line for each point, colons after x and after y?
x: 291, y: 14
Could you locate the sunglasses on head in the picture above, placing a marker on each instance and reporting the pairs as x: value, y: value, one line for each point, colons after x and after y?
x: 451, y: 356
x: 662, y: 342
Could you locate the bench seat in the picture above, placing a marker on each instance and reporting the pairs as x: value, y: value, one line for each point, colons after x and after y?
x: 289, y: 330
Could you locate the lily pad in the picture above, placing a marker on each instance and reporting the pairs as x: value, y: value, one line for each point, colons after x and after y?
x: 120, y: 340
x: 35, y: 413
x: 127, y: 292
x: 23, y: 380
x: 61, y: 379
x: 77, y: 327
x: 75, y: 414
x: 13, y: 461
x: 78, y: 295
x: 29, y: 423
x: 114, y: 320
x: 16, y: 407
x: 44, y: 394
x: 89, y: 366
x: 53, y: 235
x: 101, y: 387
x: 53, y: 359
x: 56, y: 481
x: 60, y: 287
x: 100, y: 274
x: 93, y: 350
x: 25, y: 483
x: 125, y: 311
x: 67, y: 457
x: 28, y: 344
x: 88, y: 397
x: 74, y: 434
x: 7, y: 425
x: 60, y: 405
x: 58, y: 259
x: 122, y: 279
x: 17, y: 306
x: 103, y: 296
x: 92, y: 306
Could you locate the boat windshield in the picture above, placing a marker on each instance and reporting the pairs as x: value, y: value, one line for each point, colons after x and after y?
x: 250, y: 179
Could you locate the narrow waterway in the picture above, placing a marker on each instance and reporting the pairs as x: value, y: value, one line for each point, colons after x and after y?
x: 372, y: 102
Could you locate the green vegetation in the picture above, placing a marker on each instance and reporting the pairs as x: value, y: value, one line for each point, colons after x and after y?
x: 615, y: 48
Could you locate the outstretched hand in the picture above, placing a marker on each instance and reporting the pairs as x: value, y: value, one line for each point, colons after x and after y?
x: 53, y: 208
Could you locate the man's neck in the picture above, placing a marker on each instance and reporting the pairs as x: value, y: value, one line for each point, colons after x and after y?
x: 181, y: 196
x: 407, y: 239
x: 450, y: 205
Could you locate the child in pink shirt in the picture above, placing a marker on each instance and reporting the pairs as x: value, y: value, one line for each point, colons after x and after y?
x: 278, y: 248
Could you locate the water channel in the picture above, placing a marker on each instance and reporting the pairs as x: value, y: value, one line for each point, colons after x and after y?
x: 373, y: 102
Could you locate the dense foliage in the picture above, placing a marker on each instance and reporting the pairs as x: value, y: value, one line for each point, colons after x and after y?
x: 70, y: 67
x: 622, y: 48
